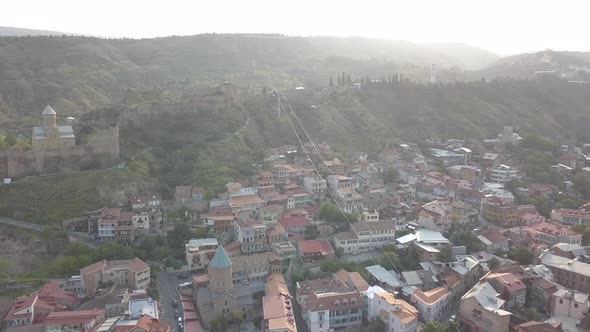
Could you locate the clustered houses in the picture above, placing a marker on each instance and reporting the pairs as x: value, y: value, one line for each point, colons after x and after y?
x: 333, y: 302
x: 121, y: 306
x: 145, y: 218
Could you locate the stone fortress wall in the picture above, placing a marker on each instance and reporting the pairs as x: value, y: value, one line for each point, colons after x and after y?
x: 102, y: 151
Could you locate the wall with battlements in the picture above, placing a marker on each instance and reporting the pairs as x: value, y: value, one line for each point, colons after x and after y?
x: 101, y: 152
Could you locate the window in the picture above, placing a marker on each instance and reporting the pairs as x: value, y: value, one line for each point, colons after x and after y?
x: 560, y: 301
x: 575, y: 305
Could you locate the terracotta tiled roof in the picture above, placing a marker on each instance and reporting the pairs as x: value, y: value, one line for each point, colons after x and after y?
x: 508, y: 280
x: 495, y: 236
x: 432, y: 296
x: 352, y: 279
x: 246, y: 200
x: 73, y: 317
x: 294, y: 221
x: 316, y: 246
x: 94, y: 267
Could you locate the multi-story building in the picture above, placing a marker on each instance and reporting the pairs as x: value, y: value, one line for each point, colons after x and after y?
x: 481, y: 310
x: 133, y: 273
x: 314, y: 250
x: 199, y: 253
x: 571, y: 216
x: 528, y: 218
x: 571, y: 273
x: 366, y: 236
x: 447, y: 158
x: 124, y: 228
x: 432, y: 304
x: 141, y: 224
x: 298, y: 200
x: 316, y: 187
x: 271, y: 214
x: 397, y: 314
x: 265, y: 181
x: 494, y: 241
x: 74, y: 321
x: 550, y: 234
x: 348, y: 199
x: 568, y: 303
x: 252, y: 236
x: 511, y: 289
x: 251, y: 203
x: 436, y: 215
x: 502, y: 174
x: 107, y: 223
x: 33, y: 309
x: 330, y: 306
x: 473, y: 197
x: 277, y: 306
x: 497, y: 211
x: 336, y: 182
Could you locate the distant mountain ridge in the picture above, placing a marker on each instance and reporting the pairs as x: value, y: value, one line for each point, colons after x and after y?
x: 21, y: 32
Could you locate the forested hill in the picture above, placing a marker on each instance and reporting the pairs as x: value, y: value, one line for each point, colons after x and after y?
x: 76, y: 74
x: 366, y: 118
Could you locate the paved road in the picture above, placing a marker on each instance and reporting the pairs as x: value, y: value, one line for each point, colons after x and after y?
x: 75, y: 237
x: 167, y: 286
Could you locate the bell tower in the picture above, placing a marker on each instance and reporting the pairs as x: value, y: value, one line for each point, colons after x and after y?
x: 49, y: 118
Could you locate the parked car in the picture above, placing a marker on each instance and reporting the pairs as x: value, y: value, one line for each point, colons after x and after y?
x: 182, y: 276
x: 453, y: 318
x: 176, y: 313
x: 174, y: 303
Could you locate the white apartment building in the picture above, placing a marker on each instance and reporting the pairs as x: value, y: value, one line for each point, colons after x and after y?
x: 315, y: 186
x: 199, y: 252
x: 397, y: 314
x: 502, y: 174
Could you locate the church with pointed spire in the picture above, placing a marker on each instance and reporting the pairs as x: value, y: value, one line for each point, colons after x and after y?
x: 230, y: 284
x: 50, y: 136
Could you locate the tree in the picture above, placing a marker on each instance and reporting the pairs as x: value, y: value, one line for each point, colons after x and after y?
x: 467, y: 239
x: 582, y: 184
x: 10, y: 140
x: 533, y: 314
x: 522, y: 255
x: 331, y: 82
x: 432, y: 326
x: 348, y: 80
x: 377, y: 325
x: 343, y: 79
x: 445, y: 255
x: 453, y: 327
x: 493, y: 264
x: 339, y: 81
x: 390, y: 175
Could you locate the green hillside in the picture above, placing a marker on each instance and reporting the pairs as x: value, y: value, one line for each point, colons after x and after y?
x: 77, y: 74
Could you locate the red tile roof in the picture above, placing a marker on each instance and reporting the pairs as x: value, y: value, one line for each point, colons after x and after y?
x: 508, y: 280
x: 74, y: 317
x: 495, y: 236
x: 294, y: 221
x: 316, y: 246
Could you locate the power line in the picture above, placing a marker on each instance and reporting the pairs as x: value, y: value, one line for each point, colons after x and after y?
x: 371, y: 236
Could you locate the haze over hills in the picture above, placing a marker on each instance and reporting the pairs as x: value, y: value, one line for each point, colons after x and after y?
x: 78, y: 74
x: 19, y: 32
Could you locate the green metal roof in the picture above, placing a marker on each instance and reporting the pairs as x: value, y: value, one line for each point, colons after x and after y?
x: 221, y: 259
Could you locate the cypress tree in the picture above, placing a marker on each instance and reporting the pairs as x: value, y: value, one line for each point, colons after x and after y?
x: 339, y: 82
x: 331, y: 83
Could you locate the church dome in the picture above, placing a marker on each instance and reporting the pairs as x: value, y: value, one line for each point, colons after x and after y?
x: 220, y: 260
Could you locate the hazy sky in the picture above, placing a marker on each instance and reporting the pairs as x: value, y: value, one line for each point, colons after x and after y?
x: 502, y: 26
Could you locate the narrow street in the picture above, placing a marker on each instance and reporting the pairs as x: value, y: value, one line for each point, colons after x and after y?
x: 167, y: 286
